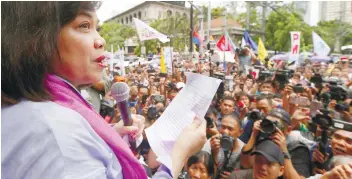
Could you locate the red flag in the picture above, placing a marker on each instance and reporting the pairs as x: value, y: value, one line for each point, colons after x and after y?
x: 221, y: 44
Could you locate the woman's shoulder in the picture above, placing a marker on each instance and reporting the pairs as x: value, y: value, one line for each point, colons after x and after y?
x: 51, y: 135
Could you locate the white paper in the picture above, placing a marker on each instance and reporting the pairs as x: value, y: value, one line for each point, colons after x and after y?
x: 194, y: 99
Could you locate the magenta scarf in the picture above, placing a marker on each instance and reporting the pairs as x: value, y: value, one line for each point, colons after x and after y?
x: 65, y: 95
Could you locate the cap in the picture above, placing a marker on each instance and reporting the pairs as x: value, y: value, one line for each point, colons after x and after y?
x: 281, y: 114
x: 180, y: 85
x: 270, y: 151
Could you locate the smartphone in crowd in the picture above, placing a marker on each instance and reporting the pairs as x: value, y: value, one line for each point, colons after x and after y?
x: 299, y: 100
x: 316, y: 105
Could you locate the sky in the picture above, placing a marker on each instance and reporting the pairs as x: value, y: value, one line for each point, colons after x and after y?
x: 110, y: 8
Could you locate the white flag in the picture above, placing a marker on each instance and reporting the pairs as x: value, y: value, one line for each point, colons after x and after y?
x: 145, y: 32
x: 320, y: 47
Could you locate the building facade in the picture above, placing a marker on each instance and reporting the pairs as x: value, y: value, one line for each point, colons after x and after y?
x: 336, y: 10
x: 149, y: 11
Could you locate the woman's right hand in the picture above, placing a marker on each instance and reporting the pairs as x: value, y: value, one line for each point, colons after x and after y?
x: 192, y: 138
x: 190, y: 141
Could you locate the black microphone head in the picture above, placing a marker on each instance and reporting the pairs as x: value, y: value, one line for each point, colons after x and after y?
x: 120, y: 91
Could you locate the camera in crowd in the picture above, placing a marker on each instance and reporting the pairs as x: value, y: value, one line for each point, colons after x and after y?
x: 283, y: 76
x: 265, y: 75
x: 209, y: 121
x: 255, y: 115
x: 106, y: 108
x: 269, y: 127
x: 226, y: 142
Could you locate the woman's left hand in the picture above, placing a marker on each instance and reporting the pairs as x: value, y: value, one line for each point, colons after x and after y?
x: 135, y: 130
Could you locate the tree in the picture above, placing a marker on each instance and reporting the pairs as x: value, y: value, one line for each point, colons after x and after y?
x: 116, y: 34
x: 279, y: 24
x: 329, y: 31
x: 217, y: 12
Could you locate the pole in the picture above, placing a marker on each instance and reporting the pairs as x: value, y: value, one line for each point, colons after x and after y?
x: 191, y: 32
x: 201, y: 17
x: 247, y: 15
x: 263, y: 20
x: 225, y: 35
x: 209, y: 21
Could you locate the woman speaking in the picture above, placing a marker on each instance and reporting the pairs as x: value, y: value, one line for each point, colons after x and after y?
x: 49, y: 50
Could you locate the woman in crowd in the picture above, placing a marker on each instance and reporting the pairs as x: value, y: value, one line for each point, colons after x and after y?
x: 200, y: 166
x: 49, y: 51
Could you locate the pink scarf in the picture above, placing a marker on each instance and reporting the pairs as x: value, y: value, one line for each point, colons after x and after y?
x: 65, y: 95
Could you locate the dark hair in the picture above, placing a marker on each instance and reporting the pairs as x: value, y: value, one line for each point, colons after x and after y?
x: 265, y: 97
x: 228, y: 98
x: 211, y: 110
x: 235, y: 117
x: 205, y: 158
x: 29, y: 44
x: 271, y: 82
x: 240, y: 94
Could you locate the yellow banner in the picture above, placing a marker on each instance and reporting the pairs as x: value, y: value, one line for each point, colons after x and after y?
x: 162, y: 61
x: 262, y: 53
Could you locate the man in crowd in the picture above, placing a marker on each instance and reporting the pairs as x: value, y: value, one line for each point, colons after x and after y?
x: 297, y: 166
x: 268, y: 163
x: 227, y: 159
x: 264, y: 106
x: 227, y: 107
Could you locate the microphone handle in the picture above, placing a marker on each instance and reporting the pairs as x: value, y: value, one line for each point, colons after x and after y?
x: 127, y: 120
x: 125, y: 112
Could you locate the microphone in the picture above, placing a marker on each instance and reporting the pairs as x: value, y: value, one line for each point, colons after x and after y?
x: 121, y: 92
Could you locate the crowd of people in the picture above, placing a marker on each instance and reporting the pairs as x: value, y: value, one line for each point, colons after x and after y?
x: 295, y: 108
x: 278, y: 123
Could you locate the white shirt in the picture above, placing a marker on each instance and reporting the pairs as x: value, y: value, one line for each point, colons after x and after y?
x: 43, y: 140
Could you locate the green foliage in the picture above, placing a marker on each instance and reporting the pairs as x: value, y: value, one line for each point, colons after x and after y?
x: 278, y: 27
x: 116, y: 34
x: 330, y: 30
x: 217, y: 12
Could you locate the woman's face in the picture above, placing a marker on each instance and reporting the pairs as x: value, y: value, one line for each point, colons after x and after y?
x: 198, y: 171
x: 249, y: 83
x: 81, y: 50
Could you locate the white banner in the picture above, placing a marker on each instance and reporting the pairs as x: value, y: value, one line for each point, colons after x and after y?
x: 168, y: 58
x: 145, y: 32
x: 320, y: 47
x: 295, y: 45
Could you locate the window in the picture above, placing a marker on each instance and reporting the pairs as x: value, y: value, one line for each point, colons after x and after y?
x: 122, y: 21
x: 130, y: 18
x: 126, y: 20
x: 135, y: 15
x: 139, y: 15
x: 118, y: 21
x: 169, y: 12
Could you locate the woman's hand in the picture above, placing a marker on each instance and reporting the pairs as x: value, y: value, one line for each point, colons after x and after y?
x: 135, y: 130
x: 190, y: 141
